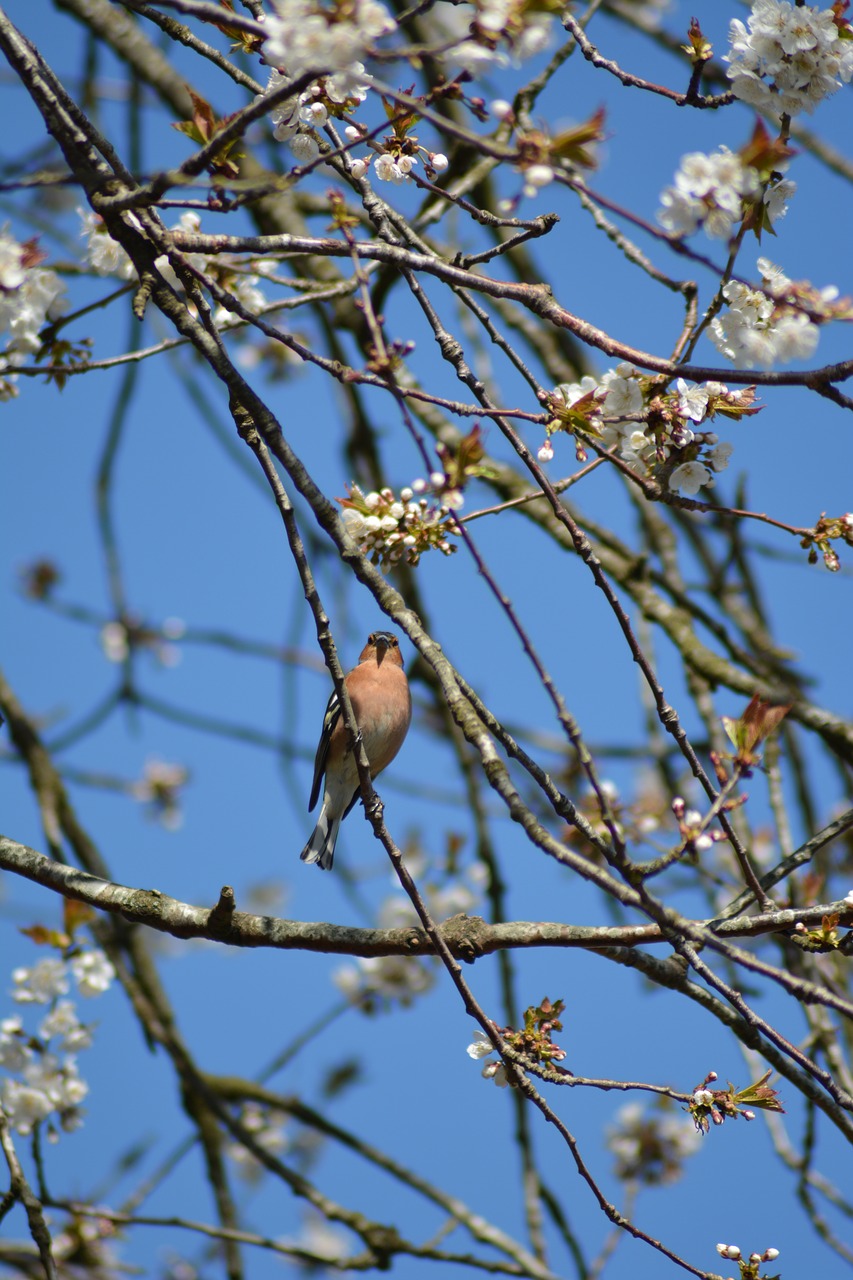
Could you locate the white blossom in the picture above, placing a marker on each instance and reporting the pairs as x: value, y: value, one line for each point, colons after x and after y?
x: 62, y: 1022
x: 689, y: 477
x: 538, y: 175
x: 15, y: 1053
x: 773, y: 278
x: 355, y: 523
x: 502, y: 31
x: 650, y: 1146
x: 495, y: 1071
x: 480, y: 1047
x: 114, y: 641
x: 12, y: 270
x: 776, y: 198
x: 30, y: 296
x: 304, y: 147
x: 24, y: 1105
x: 103, y: 254
x: 753, y: 332
x: 266, y: 1126
x: 788, y: 57
x: 160, y: 790
x: 623, y: 393
x: 387, y: 169
x: 245, y: 290
x: 709, y: 191
x: 387, y: 978
x: 93, y: 972
x: 320, y: 1239
x: 303, y: 37
x: 42, y: 983
x: 718, y: 457
x: 692, y: 401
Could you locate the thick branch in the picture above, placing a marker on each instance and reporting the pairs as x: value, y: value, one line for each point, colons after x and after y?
x: 467, y: 937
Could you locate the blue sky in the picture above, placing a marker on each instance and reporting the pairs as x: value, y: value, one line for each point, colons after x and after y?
x: 201, y: 540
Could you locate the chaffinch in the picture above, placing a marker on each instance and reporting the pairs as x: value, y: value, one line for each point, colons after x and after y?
x: 382, y: 704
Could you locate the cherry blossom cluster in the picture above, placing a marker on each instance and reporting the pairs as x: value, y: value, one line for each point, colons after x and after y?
x: 382, y: 981
x: 775, y: 324
x: 533, y: 1042
x: 400, y: 152
x: 715, y: 192
x: 266, y: 1125
x: 305, y: 35
x: 635, y: 819
x: 30, y: 296
x: 159, y: 789
x: 821, y: 305
x: 295, y: 117
x: 502, y: 31
x: 715, y: 1106
x: 391, y: 528
x: 41, y: 1080
x: 692, y: 827
x: 375, y: 982
x: 820, y: 539
x: 494, y: 1070
x: 651, y: 1145
x: 107, y: 258
x: 789, y: 57
x: 748, y: 1267
x: 104, y: 255
x: 652, y: 430
x: 121, y: 637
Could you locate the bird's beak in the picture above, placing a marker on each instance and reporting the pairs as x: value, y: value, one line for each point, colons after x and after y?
x: 381, y: 649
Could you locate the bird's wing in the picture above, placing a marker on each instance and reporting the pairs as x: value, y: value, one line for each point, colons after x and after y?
x: 330, y: 719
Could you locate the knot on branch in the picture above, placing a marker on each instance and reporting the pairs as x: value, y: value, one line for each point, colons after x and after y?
x: 245, y: 423
x: 144, y: 904
x: 464, y: 936
x: 383, y: 1242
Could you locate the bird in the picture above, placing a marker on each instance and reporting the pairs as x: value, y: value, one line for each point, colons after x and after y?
x: 382, y: 705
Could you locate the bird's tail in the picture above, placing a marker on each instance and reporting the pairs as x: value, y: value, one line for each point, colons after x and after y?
x: 321, y: 847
